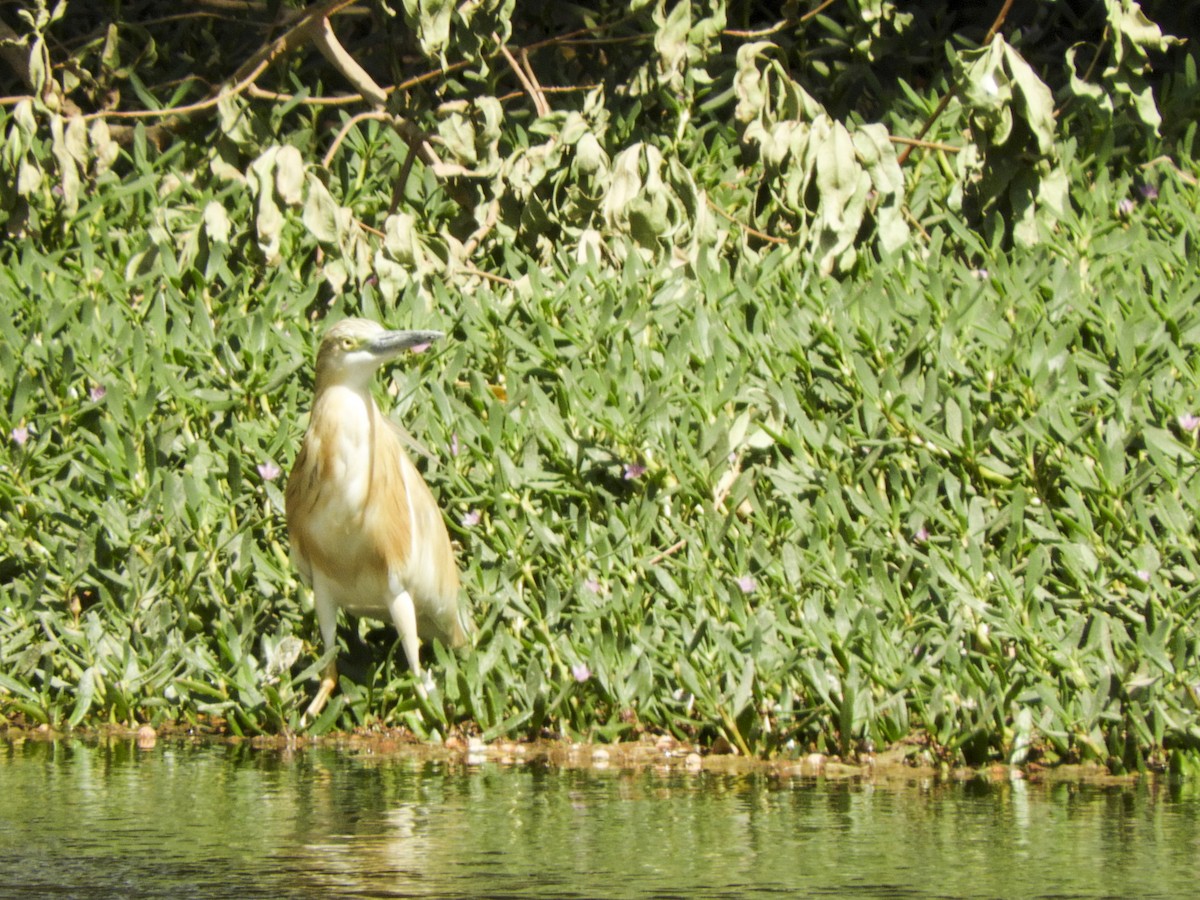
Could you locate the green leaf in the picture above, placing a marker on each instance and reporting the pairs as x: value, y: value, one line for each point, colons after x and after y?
x: 744, y: 691
x: 85, y: 693
x: 1034, y: 97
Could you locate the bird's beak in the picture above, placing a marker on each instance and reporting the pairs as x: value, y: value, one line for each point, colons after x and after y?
x: 392, y: 343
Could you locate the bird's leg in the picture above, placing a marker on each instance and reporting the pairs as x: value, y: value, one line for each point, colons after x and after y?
x: 404, y: 615
x: 327, y: 617
x: 329, y: 680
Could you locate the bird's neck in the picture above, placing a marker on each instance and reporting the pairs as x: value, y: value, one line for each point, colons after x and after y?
x: 346, y: 413
x: 346, y: 402
x: 342, y: 434
x: 329, y: 378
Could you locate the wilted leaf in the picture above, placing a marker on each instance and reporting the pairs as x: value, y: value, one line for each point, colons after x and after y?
x: 29, y: 177
x: 216, y: 222
x: 1080, y: 88
x: 282, y: 656
x: 289, y: 175
x: 430, y: 22
x: 1035, y: 98
x: 68, y: 168
x: 104, y: 147
x: 323, y: 216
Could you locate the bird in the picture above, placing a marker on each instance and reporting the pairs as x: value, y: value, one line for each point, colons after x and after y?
x: 364, y: 530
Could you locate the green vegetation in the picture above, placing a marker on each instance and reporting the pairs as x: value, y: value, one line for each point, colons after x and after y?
x: 749, y: 427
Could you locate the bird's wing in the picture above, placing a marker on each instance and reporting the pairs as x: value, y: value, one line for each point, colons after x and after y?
x: 302, y: 491
x: 412, y: 530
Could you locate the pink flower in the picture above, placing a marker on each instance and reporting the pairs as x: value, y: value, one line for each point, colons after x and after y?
x: 592, y: 585
x: 747, y: 584
x: 580, y: 672
x: 921, y: 535
x: 97, y: 392
x: 470, y: 518
x: 1189, y: 422
x: 634, y: 470
x: 268, y: 471
x: 454, y: 443
x: 20, y: 435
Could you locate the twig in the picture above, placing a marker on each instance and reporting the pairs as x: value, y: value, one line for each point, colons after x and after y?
x: 780, y: 25
x: 490, y: 276
x: 336, y: 100
x: 238, y: 6
x: 370, y: 229
x: 915, y: 223
x: 569, y: 41
x: 177, y: 111
x: 670, y: 551
x: 1170, y: 163
x: 551, y: 89
x: 725, y: 484
x: 995, y: 29
x: 1087, y: 75
x: 489, y: 222
x: 760, y: 33
x: 927, y: 145
x: 573, y: 37
x: 401, y: 183
x: 753, y: 231
x: 345, y: 130
x: 539, y: 100
x: 342, y: 99
x: 813, y: 13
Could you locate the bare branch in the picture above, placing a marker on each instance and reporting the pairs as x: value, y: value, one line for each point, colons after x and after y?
x: 296, y: 36
x: 333, y: 51
x: 670, y: 551
x: 177, y: 112
x: 538, y: 98
x: 345, y: 130
x: 925, y: 145
x: 489, y: 222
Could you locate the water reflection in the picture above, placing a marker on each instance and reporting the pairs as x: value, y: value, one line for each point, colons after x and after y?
x: 231, y: 821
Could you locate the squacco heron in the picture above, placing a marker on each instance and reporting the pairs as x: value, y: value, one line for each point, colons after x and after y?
x: 364, y: 529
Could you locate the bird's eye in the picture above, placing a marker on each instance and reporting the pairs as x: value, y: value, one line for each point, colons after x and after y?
x: 347, y: 344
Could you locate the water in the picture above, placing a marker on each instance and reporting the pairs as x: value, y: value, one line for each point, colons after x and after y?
x: 180, y: 821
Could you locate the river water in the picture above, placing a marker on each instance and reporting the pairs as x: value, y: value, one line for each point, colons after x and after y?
x: 215, y: 820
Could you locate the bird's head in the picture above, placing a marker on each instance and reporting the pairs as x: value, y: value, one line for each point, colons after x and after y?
x: 353, y: 349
